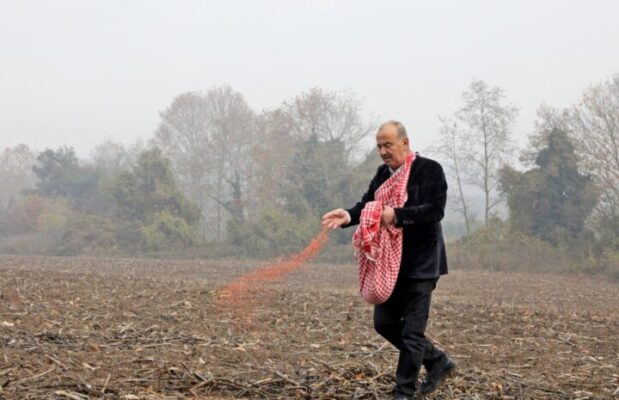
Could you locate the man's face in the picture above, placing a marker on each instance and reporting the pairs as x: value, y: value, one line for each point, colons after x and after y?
x: 391, y: 148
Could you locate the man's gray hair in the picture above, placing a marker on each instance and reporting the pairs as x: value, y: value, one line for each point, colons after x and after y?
x: 398, y: 125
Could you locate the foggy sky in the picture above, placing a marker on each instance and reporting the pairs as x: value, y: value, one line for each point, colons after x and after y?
x: 79, y: 72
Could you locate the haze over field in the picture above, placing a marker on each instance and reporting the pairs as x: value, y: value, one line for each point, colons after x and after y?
x: 75, y: 73
x: 231, y: 127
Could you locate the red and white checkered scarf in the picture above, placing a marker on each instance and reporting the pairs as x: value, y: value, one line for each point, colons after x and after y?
x: 379, y: 248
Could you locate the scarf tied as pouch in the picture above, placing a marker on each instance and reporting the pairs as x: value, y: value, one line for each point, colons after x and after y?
x: 378, y: 248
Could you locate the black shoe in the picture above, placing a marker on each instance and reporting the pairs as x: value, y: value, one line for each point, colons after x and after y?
x: 436, y: 376
x: 402, y: 397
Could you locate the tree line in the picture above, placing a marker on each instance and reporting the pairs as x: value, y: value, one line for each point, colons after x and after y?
x: 565, y: 191
x: 214, y: 172
x: 217, y: 175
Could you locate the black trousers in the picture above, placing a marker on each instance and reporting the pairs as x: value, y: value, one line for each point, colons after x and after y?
x: 402, y: 320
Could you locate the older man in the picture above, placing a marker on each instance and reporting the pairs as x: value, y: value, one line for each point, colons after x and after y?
x: 403, y: 317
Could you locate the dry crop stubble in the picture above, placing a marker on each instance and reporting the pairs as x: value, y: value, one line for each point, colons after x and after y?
x: 151, y: 329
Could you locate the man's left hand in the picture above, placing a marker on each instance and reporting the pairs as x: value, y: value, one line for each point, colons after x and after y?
x: 388, y: 217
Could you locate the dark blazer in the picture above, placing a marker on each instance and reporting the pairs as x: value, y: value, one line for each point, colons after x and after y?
x: 423, y: 247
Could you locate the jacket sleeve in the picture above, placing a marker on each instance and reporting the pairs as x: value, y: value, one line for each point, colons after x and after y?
x: 355, y: 211
x: 432, y: 197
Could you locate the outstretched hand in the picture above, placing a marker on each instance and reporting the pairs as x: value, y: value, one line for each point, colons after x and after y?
x: 335, y: 218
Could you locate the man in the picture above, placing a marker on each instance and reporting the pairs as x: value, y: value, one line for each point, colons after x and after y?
x: 402, y: 319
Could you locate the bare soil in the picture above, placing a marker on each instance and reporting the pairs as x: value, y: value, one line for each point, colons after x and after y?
x: 86, y: 328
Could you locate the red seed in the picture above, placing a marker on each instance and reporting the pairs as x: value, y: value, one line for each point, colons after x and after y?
x: 234, y: 295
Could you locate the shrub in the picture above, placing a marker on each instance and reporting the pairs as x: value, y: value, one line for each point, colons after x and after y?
x: 87, y: 234
x: 275, y: 232
x: 497, y: 248
x: 167, y: 231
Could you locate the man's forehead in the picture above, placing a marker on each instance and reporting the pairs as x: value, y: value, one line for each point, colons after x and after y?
x: 384, y: 140
x: 384, y: 136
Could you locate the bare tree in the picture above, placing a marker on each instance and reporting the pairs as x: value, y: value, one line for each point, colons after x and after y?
x: 232, y: 132
x: 329, y: 115
x: 488, y: 123
x: 594, y: 122
x: 208, y: 137
x: 272, y: 156
x: 450, y: 150
x: 16, y: 173
x: 183, y: 137
x: 110, y: 158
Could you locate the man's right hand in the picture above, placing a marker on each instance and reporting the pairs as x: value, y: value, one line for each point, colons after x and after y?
x: 335, y: 219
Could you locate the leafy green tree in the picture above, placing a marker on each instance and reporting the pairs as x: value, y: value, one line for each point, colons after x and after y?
x: 552, y: 200
x: 318, y: 173
x: 317, y: 177
x: 60, y: 174
x: 149, y: 201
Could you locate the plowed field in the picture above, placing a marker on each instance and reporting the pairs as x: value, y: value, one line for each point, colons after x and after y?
x: 86, y: 328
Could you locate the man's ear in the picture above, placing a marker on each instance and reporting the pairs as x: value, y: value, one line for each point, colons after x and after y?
x: 405, y: 141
